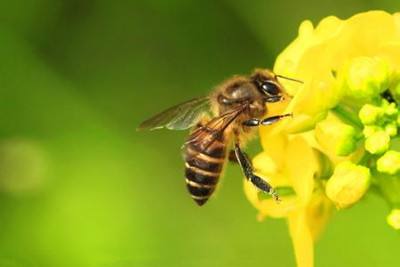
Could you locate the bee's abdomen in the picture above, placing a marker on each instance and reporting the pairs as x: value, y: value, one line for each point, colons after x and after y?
x: 203, y: 167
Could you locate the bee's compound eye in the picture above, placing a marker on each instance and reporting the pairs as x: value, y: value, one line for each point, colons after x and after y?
x: 270, y: 88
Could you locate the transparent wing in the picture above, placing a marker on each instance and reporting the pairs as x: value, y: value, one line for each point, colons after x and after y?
x: 179, y: 117
x: 207, y: 134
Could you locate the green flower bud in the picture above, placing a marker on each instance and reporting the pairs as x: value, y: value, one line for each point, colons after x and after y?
x: 389, y: 163
x: 370, y: 129
x: 377, y: 142
x: 336, y: 136
x: 369, y: 114
x: 391, y: 129
x: 348, y: 184
x: 393, y: 219
x: 391, y: 109
x: 367, y: 77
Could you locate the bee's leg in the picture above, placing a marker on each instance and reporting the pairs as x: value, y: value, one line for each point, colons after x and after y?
x: 273, y: 99
x: 267, y: 121
x: 232, y: 156
x: 247, y: 169
x: 228, y: 101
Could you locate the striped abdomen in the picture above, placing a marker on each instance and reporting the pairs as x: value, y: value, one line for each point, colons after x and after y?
x: 203, y: 164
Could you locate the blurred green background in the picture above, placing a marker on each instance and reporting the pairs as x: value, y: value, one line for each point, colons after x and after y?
x: 80, y: 187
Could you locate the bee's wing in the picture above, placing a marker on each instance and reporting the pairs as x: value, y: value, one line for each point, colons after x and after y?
x: 179, y: 117
x: 214, y: 128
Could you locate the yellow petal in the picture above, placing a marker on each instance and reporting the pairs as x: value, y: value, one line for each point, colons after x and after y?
x: 273, y: 145
x: 301, y: 238
x: 266, y: 167
x: 251, y: 193
x: 301, y: 166
x: 301, y: 122
x: 289, y: 62
x: 390, y: 52
x: 264, y: 164
x: 319, y: 211
x: 319, y: 93
x: 365, y: 40
x: 269, y: 207
x: 273, y: 209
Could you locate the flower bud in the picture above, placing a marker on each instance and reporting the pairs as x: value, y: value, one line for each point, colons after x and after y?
x: 390, y: 109
x: 391, y: 129
x: 348, y: 184
x: 393, y: 219
x: 389, y: 163
x: 377, y: 143
x: 369, y: 114
x: 370, y: 129
x: 336, y: 136
x: 367, y: 77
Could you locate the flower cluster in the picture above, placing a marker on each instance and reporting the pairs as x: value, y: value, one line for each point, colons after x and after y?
x: 343, y: 139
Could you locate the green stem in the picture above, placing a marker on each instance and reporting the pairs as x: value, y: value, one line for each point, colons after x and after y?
x: 282, y: 191
x: 348, y: 116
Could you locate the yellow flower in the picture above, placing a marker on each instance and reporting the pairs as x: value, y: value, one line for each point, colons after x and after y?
x: 307, y: 209
x: 316, y: 55
x: 290, y: 162
x: 340, y: 62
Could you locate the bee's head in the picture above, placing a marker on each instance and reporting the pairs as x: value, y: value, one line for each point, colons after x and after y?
x: 267, y: 83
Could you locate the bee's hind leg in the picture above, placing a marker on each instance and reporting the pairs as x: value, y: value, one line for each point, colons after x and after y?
x: 248, y: 171
x: 232, y: 156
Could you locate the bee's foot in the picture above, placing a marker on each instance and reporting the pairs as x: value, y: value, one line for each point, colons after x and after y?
x: 275, y: 196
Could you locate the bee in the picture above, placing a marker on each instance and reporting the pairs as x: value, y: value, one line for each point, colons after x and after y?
x: 226, y: 118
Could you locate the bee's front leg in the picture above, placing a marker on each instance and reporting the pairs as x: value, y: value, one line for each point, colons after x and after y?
x: 248, y: 171
x: 267, y: 121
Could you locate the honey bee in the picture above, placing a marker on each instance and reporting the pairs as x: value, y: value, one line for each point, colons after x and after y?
x: 226, y: 118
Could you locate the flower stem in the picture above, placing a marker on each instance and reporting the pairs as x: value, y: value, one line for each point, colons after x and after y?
x: 348, y: 116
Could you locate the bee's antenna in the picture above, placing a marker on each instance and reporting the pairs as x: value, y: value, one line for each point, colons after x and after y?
x: 287, y: 78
